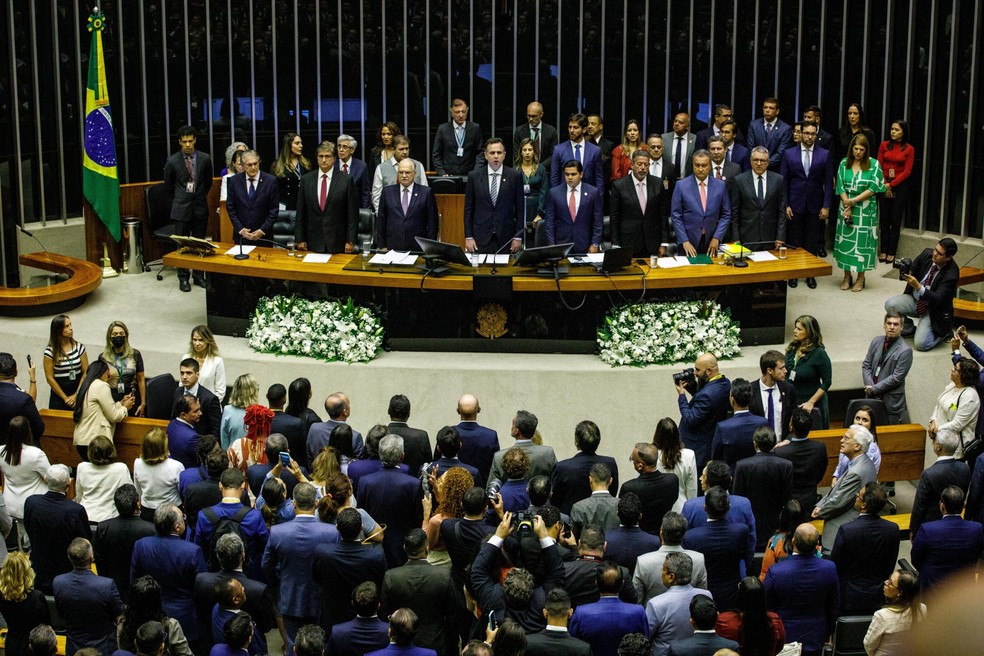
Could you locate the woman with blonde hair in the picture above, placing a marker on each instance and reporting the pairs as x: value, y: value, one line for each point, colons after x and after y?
x: 156, y: 474
x: 890, y: 625
x: 250, y: 449
x: 211, y: 368
x: 22, y: 606
x: 449, y: 489
x: 324, y: 466
x: 245, y: 392
x: 129, y: 366
x: 632, y: 140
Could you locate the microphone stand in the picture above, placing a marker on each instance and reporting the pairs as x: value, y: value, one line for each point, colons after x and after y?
x: 32, y: 236
x: 501, y: 248
x: 240, y: 255
x: 741, y: 262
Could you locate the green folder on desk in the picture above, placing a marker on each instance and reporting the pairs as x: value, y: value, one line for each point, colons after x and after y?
x: 701, y: 259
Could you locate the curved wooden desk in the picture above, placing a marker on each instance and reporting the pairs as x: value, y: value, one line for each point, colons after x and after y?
x: 83, y: 278
x: 964, y: 307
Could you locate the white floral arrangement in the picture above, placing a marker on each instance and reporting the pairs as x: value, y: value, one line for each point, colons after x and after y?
x: 327, y: 330
x: 666, y: 333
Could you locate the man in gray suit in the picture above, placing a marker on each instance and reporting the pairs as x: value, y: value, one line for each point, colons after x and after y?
x: 601, y: 508
x: 758, y: 204
x: 188, y: 176
x: 885, y: 367
x: 679, y: 145
x: 837, y: 507
x: 542, y: 458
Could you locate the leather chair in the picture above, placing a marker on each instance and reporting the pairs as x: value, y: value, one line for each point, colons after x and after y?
x: 849, y: 635
x: 158, y: 199
x: 283, y: 227
x: 450, y: 185
x: 160, y: 396
x: 367, y: 227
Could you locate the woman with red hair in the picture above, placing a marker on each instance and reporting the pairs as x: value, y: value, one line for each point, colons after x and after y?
x: 251, y: 449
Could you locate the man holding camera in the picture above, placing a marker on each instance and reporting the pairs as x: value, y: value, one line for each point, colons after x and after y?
x: 710, y: 403
x: 931, y: 285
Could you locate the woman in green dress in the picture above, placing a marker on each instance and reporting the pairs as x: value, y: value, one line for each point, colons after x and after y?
x: 809, y: 370
x: 859, y: 178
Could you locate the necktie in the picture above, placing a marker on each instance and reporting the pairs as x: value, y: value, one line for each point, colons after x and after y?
x: 761, y: 189
x: 768, y: 129
x: 190, y: 167
x: 806, y: 161
x: 727, y: 155
x: 577, y: 153
x: 344, y: 168
x: 536, y: 141
x: 406, y: 199
x: 678, y: 156
x: 494, y: 188
x: 572, y: 206
x: 703, y: 195
x: 459, y: 135
x: 717, y: 171
x: 324, y: 190
x: 927, y: 283
x: 771, y: 412
x: 641, y: 187
x: 252, y: 187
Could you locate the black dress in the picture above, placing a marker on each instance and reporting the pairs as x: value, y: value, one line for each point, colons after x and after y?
x: 21, y: 617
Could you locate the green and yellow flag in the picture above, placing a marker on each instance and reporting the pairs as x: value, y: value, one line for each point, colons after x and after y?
x: 100, y: 183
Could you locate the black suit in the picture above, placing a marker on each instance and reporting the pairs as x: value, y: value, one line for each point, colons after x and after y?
x: 865, y: 551
x: 787, y: 403
x: 428, y: 591
x: 17, y: 403
x: 416, y: 445
x: 657, y: 492
x: 189, y: 209
x: 755, y: 220
x: 444, y: 153
x: 569, y: 479
x: 327, y: 230
x: 932, y: 482
x: 767, y: 480
x: 630, y: 226
x: 259, y: 600
x: 295, y: 430
x: 211, y: 419
x: 939, y: 297
x: 724, y: 546
x: 555, y: 643
x: 548, y: 140
x: 392, y: 498
x: 197, y: 497
x: 809, y: 458
x: 398, y: 230
x: 52, y: 522
x: 494, y: 226
x: 581, y: 583
x: 339, y: 568
x: 112, y: 546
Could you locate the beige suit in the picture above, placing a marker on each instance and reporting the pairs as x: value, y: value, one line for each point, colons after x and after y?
x: 99, y: 414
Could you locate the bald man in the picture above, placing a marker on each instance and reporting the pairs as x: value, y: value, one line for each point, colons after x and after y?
x: 708, y: 405
x: 478, y: 443
x: 407, y: 210
x: 543, y: 136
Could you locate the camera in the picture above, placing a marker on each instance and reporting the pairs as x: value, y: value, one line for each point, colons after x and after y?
x: 493, y: 493
x: 523, y: 520
x: 686, y: 378
x: 904, y: 265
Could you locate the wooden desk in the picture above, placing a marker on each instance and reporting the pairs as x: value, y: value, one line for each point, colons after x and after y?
x: 903, y: 450
x: 966, y: 308
x: 59, y: 427
x: 83, y: 278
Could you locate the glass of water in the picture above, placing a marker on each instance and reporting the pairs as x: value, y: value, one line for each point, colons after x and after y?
x: 366, y: 247
x: 290, y: 248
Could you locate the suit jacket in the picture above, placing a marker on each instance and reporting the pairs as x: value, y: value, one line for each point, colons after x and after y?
x: 444, y: 464
x: 777, y: 141
x: 259, y: 600
x: 585, y: 230
x: 787, y: 402
x: 182, y: 441
x: 493, y: 226
x: 327, y: 230
x: 295, y: 430
x: 428, y: 591
x: 478, y: 446
x: 287, y: 560
x: 112, y: 545
x: 174, y: 563
x: 395, y: 650
x: 648, y: 580
x: 542, y: 461
x: 932, y: 482
x: 809, y: 458
x: 357, y: 637
x: 444, y: 153
x: 740, y: 513
x: 804, y: 592
x: 591, y: 161
x: 100, y: 413
x: 887, y: 376
x: 397, y: 230
x: 569, y: 481
x: 729, y: 171
x: 837, y: 507
x: 548, y: 141
x: 89, y: 604
x: 807, y: 193
x: 320, y: 432
x: 556, y: 643
x: 416, y: 445
x: 52, y: 521
x: 766, y: 479
x: 339, y: 568
x: 630, y: 226
x: 945, y: 546
x: 581, y: 582
x: 939, y: 297
x: 359, y: 172
x: 700, y: 415
x: 211, y: 418
x: 625, y: 544
x: 187, y: 206
x: 393, y: 499
x: 259, y: 212
x: 385, y: 175
x: 725, y: 546
x: 865, y: 552
x: 700, y: 644
x: 690, y: 218
x: 687, y: 152
x: 16, y: 403
x: 741, y: 156
x: 600, y: 509
x: 733, y: 438
x: 657, y: 492
x: 753, y: 220
x: 605, y: 622
x: 669, y: 616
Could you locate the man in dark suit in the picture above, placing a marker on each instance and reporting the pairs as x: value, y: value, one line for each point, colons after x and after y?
x: 89, y: 604
x: 206, y: 493
x: 575, y: 211
x: 447, y: 444
x: 494, y: 204
x: 581, y: 574
x: 416, y: 442
x: 569, y: 480
x: 717, y: 474
x: 809, y: 173
x: 579, y: 149
x: 427, y: 591
x: 710, y: 403
x: 809, y: 458
x: 767, y: 481
x: 356, y: 169
x: 603, y: 623
x: 724, y: 545
x: 885, y: 367
x: 721, y: 168
x: 543, y: 136
x: 825, y: 140
x: 294, y: 429
x: 188, y: 177
x: 772, y: 395
x: 758, y: 205
x: 210, y: 405
x: 339, y: 568
x: 770, y: 131
x: 402, y: 632
x: 479, y: 444
x: 555, y: 640
x: 700, y: 209
x: 52, y: 521
x: 928, y: 295
x: 680, y: 145
x: 406, y: 211
x: 339, y: 408
x: 944, y: 472
x: 327, y: 219
x: 182, y: 434
x: 865, y: 552
x: 803, y: 590
x: 704, y: 641
x: 371, y: 464
x: 252, y: 200
x: 661, y: 168
x: 734, y: 144
x: 366, y: 632
x: 636, y: 209
x: 722, y: 114
x: 945, y: 546
x: 14, y: 402
x: 657, y: 491
x: 174, y: 563
x: 836, y: 508
x: 594, y: 132
x: 114, y: 538
x: 458, y: 143
x: 392, y: 498
x: 627, y: 542
x: 733, y: 437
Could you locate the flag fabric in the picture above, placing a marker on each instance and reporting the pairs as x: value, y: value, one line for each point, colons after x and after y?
x: 100, y: 182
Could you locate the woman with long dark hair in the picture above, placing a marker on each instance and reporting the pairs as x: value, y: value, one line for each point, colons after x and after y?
x: 291, y: 164
x: 781, y: 543
x: 759, y: 632
x: 96, y: 413
x: 337, y: 497
x: 298, y: 398
x: 65, y: 361
x: 97, y: 480
x: 854, y: 124
x: 896, y: 157
x: 675, y: 458
x: 859, y: 180
x: 384, y: 148
x: 536, y: 185
x: 809, y: 368
x: 341, y: 440
x: 143, y: 604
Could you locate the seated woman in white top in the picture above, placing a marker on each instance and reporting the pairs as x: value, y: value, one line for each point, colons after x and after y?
x: 96, y: 481
x: 675, y: 459
x: 155, y: 474
x: 211, y: 368
x: 890, y: 625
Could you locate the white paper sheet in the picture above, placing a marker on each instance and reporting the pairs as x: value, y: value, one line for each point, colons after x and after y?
x: 317, y: 258
x: 235, y: 250
x: 672, y: 262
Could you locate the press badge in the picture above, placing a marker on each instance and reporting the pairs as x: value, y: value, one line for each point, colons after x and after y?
x: 191, y: 187
x: 461, y: 151
x: 791, y: 376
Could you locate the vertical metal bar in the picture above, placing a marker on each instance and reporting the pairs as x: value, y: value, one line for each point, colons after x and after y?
x: 560, y: 33
x: 167, y: 96
x: 297, y: 74
x: 775, y: 79
x: 971, y: 111
x: 666, y: 61
x: 889, y: 30
x: 951, y: 76
x: 690, y: 64
x: 428, y: 98
x: 471, y: 53
x: 232, y: 93
x: 39, y: 169
x: 208, y: 71
x: 362, y: 76
x: 15, y: 115
x: 601, y: 101
x: 536, y: 56
x: 910, y: 46
x: 864, y: 51
x: 384, y: 79
x: 645, y: 65
x: 930, y: 66
x: 755, y: 56
x: 59, y: 128
x: 273, y: 52
x: 447, y: 86
x: 799, y: 58
x: 515, y: 102
x: 187, y: 60
x: 582, y: 105
x: 734, y: 56
x: 843, y: 67
x: 143, y: 88
x: 406, y: 66
x: 710, y: 70
x: 317, y: 64
x: 491, y: 131
x: 252, y: 76
x: 78, y: 57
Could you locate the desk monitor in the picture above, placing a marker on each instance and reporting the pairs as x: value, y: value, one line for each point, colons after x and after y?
x: 616, y: 259
x: 531, y: 257
x: 444, y: 251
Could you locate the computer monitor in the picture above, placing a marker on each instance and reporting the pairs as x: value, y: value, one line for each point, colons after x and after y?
x: 531, y: 257
x: 442, y: 250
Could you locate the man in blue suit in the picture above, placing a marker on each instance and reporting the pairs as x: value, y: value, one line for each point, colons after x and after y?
x: 232, y: 484
x: 809, y: 173
x: 724, y: 545
x: 947, y: 545
x: 366, y: 632
x: 703, y: 615
x: 14, y: 402
x: 700, y: 209
x: 89, y: 604
x: 804, y: 592
x: 448, y: 444
x: 403, y: 624
x: 52, y: 521
x: 345, y: 146
x: 580, y: 149
x: 569, y: 480
x: 604, y: 623
x: 406, y: 211
x: 339, y: 408
x: 717, y: 474
x: 733, y: 437
x: 709, y: 405
x: 736, y: 152
x: 668, y: 612
x: 479, y: 444
x: 252, y: 200
x: 575, y: 211
x: 287, y: 560
x: 627, y: 542
x: 492, y: 223
x: 770, y: 131
x: 944, y: 472
x: 392, y: 498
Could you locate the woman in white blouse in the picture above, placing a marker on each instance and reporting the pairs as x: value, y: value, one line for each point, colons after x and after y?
x: 890, y: 625
x: 96, y: 481
x: 956, y: 408
x: 674, y: 458
x: 211, y: 368
x: 156, y: 474
x: 23, y: 465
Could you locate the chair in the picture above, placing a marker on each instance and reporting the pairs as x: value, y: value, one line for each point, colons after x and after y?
x: 367, y: 226
x: 540, y: 235
x: 158, y: 200
x: 450, y: 185
x: 283, y: 227
x: 878, y: 409
x: 849, y: 635
x: 160, y: 396
x: 606, y: 233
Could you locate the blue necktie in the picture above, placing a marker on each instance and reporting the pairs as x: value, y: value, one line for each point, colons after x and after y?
x: 252, y: 187
x: 577, y: 153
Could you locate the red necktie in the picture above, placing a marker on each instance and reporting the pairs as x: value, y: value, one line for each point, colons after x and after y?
x: 703, y: 195
x: 324, y: 190
x: 921, y: 303
x: 572, y: 206
x: 344, y: 168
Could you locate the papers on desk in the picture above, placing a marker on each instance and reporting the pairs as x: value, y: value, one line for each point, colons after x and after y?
x: 317, y: 258
x: 235, y: 250
x: 672, y: 262
x: 394, y: 258
x: 489, y: 258
x: 761, y: 256
x: 594, y: 259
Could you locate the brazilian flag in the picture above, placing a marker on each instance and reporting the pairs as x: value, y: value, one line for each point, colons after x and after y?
x: 100, y: 183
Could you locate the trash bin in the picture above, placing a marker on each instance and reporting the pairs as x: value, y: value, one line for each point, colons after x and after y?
x: 132, y: 252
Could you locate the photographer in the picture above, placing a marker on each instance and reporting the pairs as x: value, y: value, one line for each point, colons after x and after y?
x: 700, y: 415
x: 930, y: 286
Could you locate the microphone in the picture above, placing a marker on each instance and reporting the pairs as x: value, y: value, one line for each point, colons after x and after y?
x: 244, y: 256
x: 740, y: 262
x: 501, y: 248
x: 32, y: 236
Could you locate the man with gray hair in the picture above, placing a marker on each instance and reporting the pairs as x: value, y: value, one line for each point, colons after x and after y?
x: 385, y: 173
x: 345, y: 146
x: 42, y: 641
x: 758, y: 204
x: 327, y: 219
x: 648, y: 575
x: 392, y: 498
x: 944, y: 472
x: 52, y: 521
x: 837, y: 507
x: 669, y: 613
x: 89, y: 604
